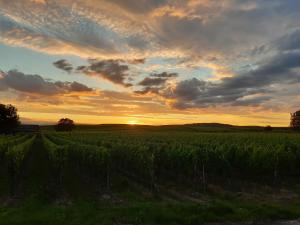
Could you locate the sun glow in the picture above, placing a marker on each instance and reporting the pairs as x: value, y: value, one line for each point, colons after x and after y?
x: 132, y: 122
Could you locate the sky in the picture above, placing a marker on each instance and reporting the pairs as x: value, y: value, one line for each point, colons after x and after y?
x: 151, y: 61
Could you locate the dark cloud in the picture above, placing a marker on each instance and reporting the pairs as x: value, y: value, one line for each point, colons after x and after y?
x: 35, y: 84
x: 196, y: 93
x: 63, y: 65
x: 164, y: 75
x: 254, y: 101
x: 157, y: 79
x: 248, y: 88
x: 78, y: 87
x: 189, y: 89
x: 113, y: 70
x: 278, y: 69
x: 155, y: 82
x: 72, y: 86
x: 290, y: 41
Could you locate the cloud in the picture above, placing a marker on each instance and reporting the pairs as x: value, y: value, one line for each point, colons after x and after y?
x: 73, y: 86
x: 164, y: 75
x: 157, y: 79
x: 130, y: 29
x: 274, y: 70
x: 63, y: 27
x: 64, y: 65
x: 155, y: 82
x: 35, y: 84
x: 3, y: 86
x: 113, y: 70
x: 290, y: 41
x: 137, y: 61
x: 139, y: 7
x: 85, y: 28
x: 253, y: 100
x: 195, y: 93
x: 265, y: 83
x: 248, y: 88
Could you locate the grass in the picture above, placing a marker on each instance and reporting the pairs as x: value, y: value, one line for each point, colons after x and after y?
x: 152, y: 212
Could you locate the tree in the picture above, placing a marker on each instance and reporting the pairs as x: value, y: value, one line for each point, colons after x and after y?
x: 295, y: 120
x: 65, y: 124
x: 268, y: 128
x: 9, y: 118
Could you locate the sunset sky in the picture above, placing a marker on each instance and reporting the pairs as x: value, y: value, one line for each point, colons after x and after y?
x: 151, y: 61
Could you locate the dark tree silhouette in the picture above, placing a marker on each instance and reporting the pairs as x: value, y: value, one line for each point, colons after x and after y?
x: 295, y: 120
x: 65, y: 124
x: 268, y: 128
x: 9, y: 118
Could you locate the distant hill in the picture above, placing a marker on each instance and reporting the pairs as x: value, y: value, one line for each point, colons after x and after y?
x: 195, y: 127
x: 210, y: 125
x: 28, y: 128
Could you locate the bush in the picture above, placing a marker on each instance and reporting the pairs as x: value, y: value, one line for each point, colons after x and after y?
x: 65, y: 124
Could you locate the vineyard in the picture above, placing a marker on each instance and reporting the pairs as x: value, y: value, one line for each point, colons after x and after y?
x: 101, y: 161
x: 192, y: 159
x: 13, y: 150
x: 153, y: 159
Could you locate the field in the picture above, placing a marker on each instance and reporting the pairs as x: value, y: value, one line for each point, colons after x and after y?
x: 149, y: 175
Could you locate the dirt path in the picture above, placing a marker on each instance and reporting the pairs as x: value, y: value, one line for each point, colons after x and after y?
x: 37, y: 177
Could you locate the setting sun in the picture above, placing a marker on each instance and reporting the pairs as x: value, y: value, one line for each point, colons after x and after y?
x: 132, y: 122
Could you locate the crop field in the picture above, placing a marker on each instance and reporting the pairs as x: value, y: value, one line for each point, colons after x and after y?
x: 192, y: 177
x: 185, y: 158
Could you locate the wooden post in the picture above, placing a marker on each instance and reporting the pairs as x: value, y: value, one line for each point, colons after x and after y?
x: 203, y: 178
